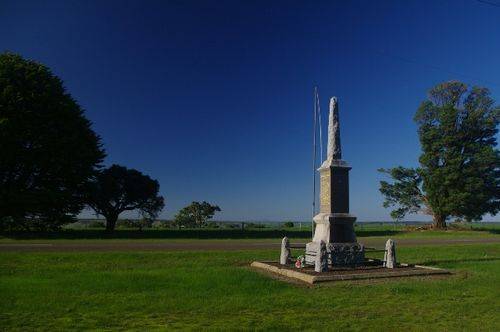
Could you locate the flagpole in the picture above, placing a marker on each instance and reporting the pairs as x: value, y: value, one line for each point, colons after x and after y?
x: 315, y: 117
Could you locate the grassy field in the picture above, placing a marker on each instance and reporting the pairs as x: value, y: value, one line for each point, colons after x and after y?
x: 217, y: 290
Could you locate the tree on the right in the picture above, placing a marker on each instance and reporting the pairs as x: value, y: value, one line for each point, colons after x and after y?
x: 459, y: 172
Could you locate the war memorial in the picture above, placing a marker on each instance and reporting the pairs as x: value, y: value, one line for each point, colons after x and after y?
x: 334, y: 253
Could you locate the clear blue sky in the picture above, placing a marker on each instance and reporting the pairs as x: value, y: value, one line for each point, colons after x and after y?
x: 214, y: 98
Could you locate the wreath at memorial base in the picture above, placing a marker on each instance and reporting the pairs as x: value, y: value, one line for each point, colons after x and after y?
x: 300, y: 262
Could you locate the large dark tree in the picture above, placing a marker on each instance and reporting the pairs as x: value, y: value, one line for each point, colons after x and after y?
x: 196, y: 214
x: 118, y: 189
x: 405, y: 193
x: 459, y: 173
x: 48, y: 150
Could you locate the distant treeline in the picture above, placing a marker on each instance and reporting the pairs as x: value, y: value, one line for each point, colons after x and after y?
x: 230, y: 224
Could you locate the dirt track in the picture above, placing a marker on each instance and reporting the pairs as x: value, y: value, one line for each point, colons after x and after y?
x: 210, y: 245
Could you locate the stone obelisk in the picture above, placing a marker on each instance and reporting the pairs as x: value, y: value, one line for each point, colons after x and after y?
x: 334, y: 224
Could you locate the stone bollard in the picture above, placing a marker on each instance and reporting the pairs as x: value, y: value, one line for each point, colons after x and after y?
x: 321, y: 262
x: 390, y: 254
x: 285, y: 251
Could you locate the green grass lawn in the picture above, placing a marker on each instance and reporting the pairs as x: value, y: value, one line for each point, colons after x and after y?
x: 170, y: 235
x: 217, y: 290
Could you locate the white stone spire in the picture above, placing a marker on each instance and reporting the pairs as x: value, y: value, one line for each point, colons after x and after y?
x: 334, y: 151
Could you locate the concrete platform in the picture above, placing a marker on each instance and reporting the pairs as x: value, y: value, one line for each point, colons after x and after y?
x: 370, y: 271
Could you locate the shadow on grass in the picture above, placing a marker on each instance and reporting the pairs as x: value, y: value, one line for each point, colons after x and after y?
x: 76, y: 234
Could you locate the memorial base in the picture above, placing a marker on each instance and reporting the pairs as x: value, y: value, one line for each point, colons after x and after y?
x: 339, y: 254
x: 371, y: 270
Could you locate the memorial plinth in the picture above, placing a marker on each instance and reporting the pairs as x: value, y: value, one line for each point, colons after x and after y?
x: 334, y: 223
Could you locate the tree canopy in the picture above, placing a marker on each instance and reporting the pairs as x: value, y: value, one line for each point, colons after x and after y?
x: 405, y: 192
x: 48, y: 149
x: 459, y: 173
x: 196, y: 214
x: 118, y: 189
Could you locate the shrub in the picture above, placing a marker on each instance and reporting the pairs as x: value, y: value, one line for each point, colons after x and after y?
x: 96, y: 224
x: 254, y: 225
x: 126, y: 223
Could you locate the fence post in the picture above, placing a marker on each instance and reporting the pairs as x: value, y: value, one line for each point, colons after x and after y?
x: 390, y: 254
x: 285, y: 251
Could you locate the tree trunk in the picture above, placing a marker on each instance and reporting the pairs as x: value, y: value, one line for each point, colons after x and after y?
x: 439, y: 222
x: 111, y: 222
